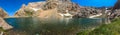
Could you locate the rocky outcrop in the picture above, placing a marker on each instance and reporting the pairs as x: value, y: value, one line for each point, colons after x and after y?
x: 115, y: 11
x: 24, y: 11
x: 117, y: 5
x: 3, y: 14
x: 87, y: 12
x: 4, y: 25
x: 114, y: 14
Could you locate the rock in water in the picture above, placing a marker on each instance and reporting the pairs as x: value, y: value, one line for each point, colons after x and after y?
x: 3, y: 14
x: 4, y: 25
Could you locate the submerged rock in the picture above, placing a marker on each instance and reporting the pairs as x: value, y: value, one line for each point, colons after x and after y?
x: 3, y: 14
x: 4, y: 25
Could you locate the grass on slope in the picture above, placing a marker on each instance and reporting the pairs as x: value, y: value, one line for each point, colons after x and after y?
x: 105, y: 29
x: 1, y: 29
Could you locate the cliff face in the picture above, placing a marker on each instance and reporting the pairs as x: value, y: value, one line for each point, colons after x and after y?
x: 3, y: 14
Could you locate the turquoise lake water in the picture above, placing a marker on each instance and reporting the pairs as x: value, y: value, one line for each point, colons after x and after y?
x: 53, y: 26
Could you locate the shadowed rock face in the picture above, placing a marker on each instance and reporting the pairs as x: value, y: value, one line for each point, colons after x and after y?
x: 115, y: 12
x: 3, y: 14
x: 117, y: 5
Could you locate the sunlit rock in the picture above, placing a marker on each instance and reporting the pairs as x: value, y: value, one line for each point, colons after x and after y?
x: 4, y: 25
x: 3, y: 14
x: 30, y: 10
x: 58, y: 7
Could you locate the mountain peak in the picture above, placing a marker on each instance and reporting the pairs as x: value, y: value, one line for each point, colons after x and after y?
x: 3, y: 14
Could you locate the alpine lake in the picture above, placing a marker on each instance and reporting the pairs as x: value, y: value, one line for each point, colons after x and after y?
x: 52, y: 26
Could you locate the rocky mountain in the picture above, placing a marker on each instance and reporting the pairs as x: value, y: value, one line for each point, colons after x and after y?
x: 3, y: 24
x: 3, y: 14
x: 62, y: 8
x: 115, y: 11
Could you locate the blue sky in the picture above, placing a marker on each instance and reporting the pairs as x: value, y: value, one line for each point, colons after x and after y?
x: 11, y: 6
x: 96, y: 3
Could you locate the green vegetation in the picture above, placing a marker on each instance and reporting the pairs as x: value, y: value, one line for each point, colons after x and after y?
x: 105, y: 29
x: 1, y: 29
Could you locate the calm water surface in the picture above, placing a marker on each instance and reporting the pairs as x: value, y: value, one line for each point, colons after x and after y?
x: 65, y: 26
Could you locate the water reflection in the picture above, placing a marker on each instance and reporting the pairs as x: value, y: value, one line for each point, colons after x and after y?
x: 64, y: 26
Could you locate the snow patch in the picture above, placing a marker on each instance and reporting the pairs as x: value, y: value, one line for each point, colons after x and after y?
x: 35, y: 9
x: 95, y: 15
